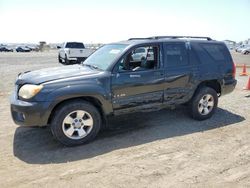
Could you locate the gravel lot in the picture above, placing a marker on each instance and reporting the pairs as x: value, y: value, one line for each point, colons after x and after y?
x: 158, y: 149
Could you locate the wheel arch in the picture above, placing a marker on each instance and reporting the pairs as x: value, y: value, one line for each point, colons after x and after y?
x: 92, y: 100
x: 214, y: 84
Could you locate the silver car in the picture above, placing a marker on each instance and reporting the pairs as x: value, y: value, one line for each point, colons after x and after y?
x: 240, y: 48
x: 245, y: 50
x: 143, y: 53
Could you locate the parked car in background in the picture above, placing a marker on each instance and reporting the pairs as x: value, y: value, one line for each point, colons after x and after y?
x: 33, y: 48
x: 142, y: 53
x: 245, y: 50
x: 239, y: 48
x: 73, y: 52
x: 6, y: 49
x: 22, y: 49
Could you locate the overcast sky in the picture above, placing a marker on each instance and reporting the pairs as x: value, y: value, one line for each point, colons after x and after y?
x: 107, y: 21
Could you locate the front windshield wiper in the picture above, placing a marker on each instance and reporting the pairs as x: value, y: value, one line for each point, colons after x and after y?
x: 92, y: 66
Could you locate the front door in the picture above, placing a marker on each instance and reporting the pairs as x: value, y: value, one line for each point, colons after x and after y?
x: 138, y: 83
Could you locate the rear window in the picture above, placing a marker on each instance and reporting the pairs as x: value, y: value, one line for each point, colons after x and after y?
x: 216, y: 51
x: 74, y: 45
x: 176, y: 54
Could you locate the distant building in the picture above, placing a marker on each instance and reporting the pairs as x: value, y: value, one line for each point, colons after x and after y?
x: 230, y: 44
x: 43, y: 46
x: 246, y: 42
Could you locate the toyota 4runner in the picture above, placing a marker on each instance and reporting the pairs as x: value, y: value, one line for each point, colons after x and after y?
x: 76, y: 100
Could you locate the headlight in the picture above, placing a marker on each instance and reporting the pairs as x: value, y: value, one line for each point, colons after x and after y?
x: 27, y: 91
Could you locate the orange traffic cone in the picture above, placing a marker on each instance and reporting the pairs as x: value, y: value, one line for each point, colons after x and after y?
x: 248, y: 85
x: 244, y: 71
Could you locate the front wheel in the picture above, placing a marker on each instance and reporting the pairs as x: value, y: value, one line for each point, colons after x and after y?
x: 75, y: 123
x: 203, y: 104
x: 59, y: 59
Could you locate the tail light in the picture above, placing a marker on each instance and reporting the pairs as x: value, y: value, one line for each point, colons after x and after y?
x: 234, y: 69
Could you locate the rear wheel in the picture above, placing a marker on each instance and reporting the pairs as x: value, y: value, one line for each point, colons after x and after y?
x: 203, y: 104
x: 59, y: 59
x: 76, y: 123
x: 66, y: 60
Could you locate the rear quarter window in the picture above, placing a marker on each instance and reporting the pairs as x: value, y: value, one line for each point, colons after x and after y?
x: 216, y: 51
x: 211, y: 53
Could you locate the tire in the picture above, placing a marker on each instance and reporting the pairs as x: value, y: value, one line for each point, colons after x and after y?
x: 66, y: 60
x: 75, y: 123
x: 59, y: 59
x: 246, y: 52
x: 203, y: 104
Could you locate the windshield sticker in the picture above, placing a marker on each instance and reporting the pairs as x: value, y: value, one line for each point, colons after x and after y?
x: 114, y: 51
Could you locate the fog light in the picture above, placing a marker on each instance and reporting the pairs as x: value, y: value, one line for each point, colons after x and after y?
x: 20, y: 116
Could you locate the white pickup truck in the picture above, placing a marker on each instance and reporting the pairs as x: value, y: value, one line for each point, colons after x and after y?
x: 73, y: 52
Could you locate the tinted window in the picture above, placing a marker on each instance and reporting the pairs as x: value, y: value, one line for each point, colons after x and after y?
x: 176, y: 54
x: 74, y: 45
x: 215, y: 51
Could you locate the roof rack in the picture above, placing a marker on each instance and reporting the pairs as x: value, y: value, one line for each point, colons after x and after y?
x: 171, y: 37
x: 138, y: 38
x: 176, y: 37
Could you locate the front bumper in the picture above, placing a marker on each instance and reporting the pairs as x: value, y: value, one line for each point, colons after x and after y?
x: 29, y: 113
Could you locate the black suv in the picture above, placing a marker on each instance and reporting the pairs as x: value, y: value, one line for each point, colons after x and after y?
x: 124, y: 77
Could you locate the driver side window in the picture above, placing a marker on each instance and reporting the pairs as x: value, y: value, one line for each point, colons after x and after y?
x: 141, y: 58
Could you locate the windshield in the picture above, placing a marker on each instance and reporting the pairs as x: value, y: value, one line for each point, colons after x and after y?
x: 104, y: 56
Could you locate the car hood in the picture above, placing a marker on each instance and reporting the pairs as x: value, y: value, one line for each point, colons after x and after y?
x: 50, y: 74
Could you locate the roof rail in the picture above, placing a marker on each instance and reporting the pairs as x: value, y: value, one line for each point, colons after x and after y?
x: 171, y: 37
x: 177, y: 37
x: 138, y: 38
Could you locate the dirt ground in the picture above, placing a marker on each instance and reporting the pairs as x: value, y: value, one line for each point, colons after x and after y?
x: 158, y: 149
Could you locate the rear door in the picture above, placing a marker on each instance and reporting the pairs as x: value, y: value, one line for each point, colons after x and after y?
x: 179, y: 72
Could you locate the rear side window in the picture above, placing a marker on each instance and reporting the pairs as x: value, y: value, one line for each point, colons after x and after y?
x: 74, y: 45
x: 175, y: 54
x: 215, y: 51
